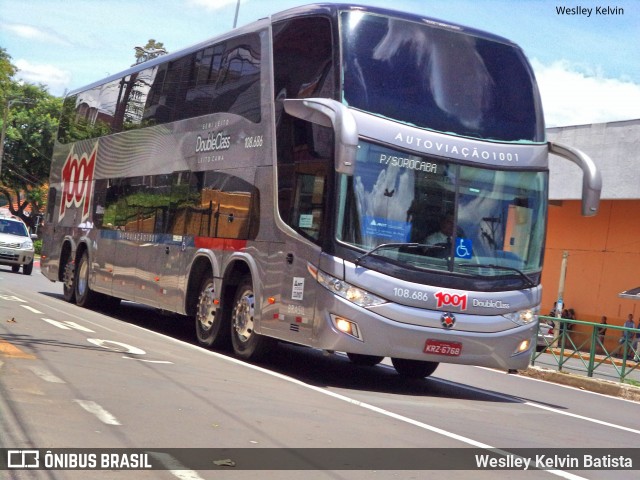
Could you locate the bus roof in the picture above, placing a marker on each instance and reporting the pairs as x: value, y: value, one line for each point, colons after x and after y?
x: 329, y: 9
x: 333, y: 8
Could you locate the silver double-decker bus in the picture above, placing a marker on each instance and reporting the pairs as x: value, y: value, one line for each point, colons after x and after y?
x: 342, y: 177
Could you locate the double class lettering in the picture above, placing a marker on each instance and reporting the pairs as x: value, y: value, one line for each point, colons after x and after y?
x: 214, y: 141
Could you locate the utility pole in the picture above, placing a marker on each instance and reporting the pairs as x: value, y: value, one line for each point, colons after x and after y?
x: 563, y: 276
x: 560, y: 302
x: 235, y: 20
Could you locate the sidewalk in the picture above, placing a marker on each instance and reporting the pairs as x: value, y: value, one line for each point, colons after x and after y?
x: 582, y: 381
x: 605, y: 387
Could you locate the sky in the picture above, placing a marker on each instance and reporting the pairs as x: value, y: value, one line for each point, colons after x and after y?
x: 586, y: 62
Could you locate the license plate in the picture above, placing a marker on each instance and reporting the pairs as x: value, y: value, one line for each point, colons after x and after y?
x: 439, y: 347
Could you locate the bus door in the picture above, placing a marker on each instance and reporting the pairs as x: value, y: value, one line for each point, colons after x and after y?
x: 149, y: 269
x: 301, y: 255
x: 141, y: 213
x: 124, y: 239
x: 298, y: 289
x: 177, y: 245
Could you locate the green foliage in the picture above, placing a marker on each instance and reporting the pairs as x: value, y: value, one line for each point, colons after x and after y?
x: 32, y: 123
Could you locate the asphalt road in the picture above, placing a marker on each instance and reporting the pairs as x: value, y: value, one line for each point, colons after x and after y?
x: 79, y: 379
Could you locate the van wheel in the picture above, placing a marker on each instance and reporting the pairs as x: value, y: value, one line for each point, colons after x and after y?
x: 85, y: 297
x: 247, y: 344
x: 27, y: 268
x: 414, y: 368
x: 209, y: 320
x: 69, y: 281
x: 15, y: 268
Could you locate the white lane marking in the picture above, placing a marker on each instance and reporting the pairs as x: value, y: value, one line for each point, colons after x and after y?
x: 98, y: 411
x: 175, y: 467
x: 116, y: 346
x: 147, y: 361
x: 68, y: 325
x: 357, y: 402
x: 31, y: 309
x: 11, y: 298
x: 46, y: 375
x: 538, y: 405
x: 370, y: 407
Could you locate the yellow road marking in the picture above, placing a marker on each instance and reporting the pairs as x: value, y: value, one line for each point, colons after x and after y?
x: 8, y: 350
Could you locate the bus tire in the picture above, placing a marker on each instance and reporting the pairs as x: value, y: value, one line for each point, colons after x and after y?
x: 85, y: 297
x: 413, y: 368
x: 69, y: 281
x: 209, y: 321
x: 364, y: 360
x: 247, y: 344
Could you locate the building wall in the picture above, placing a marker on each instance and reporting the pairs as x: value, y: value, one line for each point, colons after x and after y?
x: 615, y: 149
x: 604, y: 260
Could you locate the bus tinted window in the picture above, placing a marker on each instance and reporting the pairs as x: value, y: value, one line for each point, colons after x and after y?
x: 89, y: 114
x: 137, y: 204
x: 440, y: 79
x: 220, y: 78
x: 136, y: 90
x: 213, y: 204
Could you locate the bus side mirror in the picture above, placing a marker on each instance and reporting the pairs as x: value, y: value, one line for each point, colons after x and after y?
x: 591, y: 177
x: 333, y: 114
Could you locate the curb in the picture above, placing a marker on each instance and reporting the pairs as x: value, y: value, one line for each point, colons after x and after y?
x: 605, y: 387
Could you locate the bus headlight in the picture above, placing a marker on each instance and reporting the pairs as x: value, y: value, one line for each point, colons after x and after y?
x: 524, y: 317
x: 347, y: 291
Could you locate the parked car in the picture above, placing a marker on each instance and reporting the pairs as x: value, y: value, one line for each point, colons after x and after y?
x: 545, y: 335
x: 16, y: 245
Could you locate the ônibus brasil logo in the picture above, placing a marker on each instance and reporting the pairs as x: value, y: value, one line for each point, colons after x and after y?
x: 77, y: 182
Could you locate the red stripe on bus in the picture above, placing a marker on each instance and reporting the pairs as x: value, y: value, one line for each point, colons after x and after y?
x: 220, y: 243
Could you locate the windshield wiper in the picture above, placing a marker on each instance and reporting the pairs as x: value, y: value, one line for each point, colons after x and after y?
x: 384, y: 246
x: 528, y: 281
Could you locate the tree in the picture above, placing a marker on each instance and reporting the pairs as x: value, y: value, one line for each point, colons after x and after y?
x: 32, y: 124
x: 151, y: 50
x: 7, y: 71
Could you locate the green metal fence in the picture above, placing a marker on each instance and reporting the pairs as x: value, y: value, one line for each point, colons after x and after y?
x: 576, y: 339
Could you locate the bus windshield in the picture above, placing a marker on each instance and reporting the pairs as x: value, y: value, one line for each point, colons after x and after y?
x: 439, y: 78
x: 443, y: 216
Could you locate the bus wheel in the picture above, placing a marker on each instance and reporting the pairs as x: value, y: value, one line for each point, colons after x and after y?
x: 247, y: 344
x: 85, y: 297
x: 364, y: 360
x: 414, y: 368
x: 69, y: 281
x: 208, y: 320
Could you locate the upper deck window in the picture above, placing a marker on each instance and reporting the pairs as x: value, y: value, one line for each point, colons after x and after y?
x: 221, y: 78
x: 438, y: 78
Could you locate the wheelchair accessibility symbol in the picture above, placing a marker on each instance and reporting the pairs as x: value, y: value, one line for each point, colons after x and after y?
x: 464, y: 248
